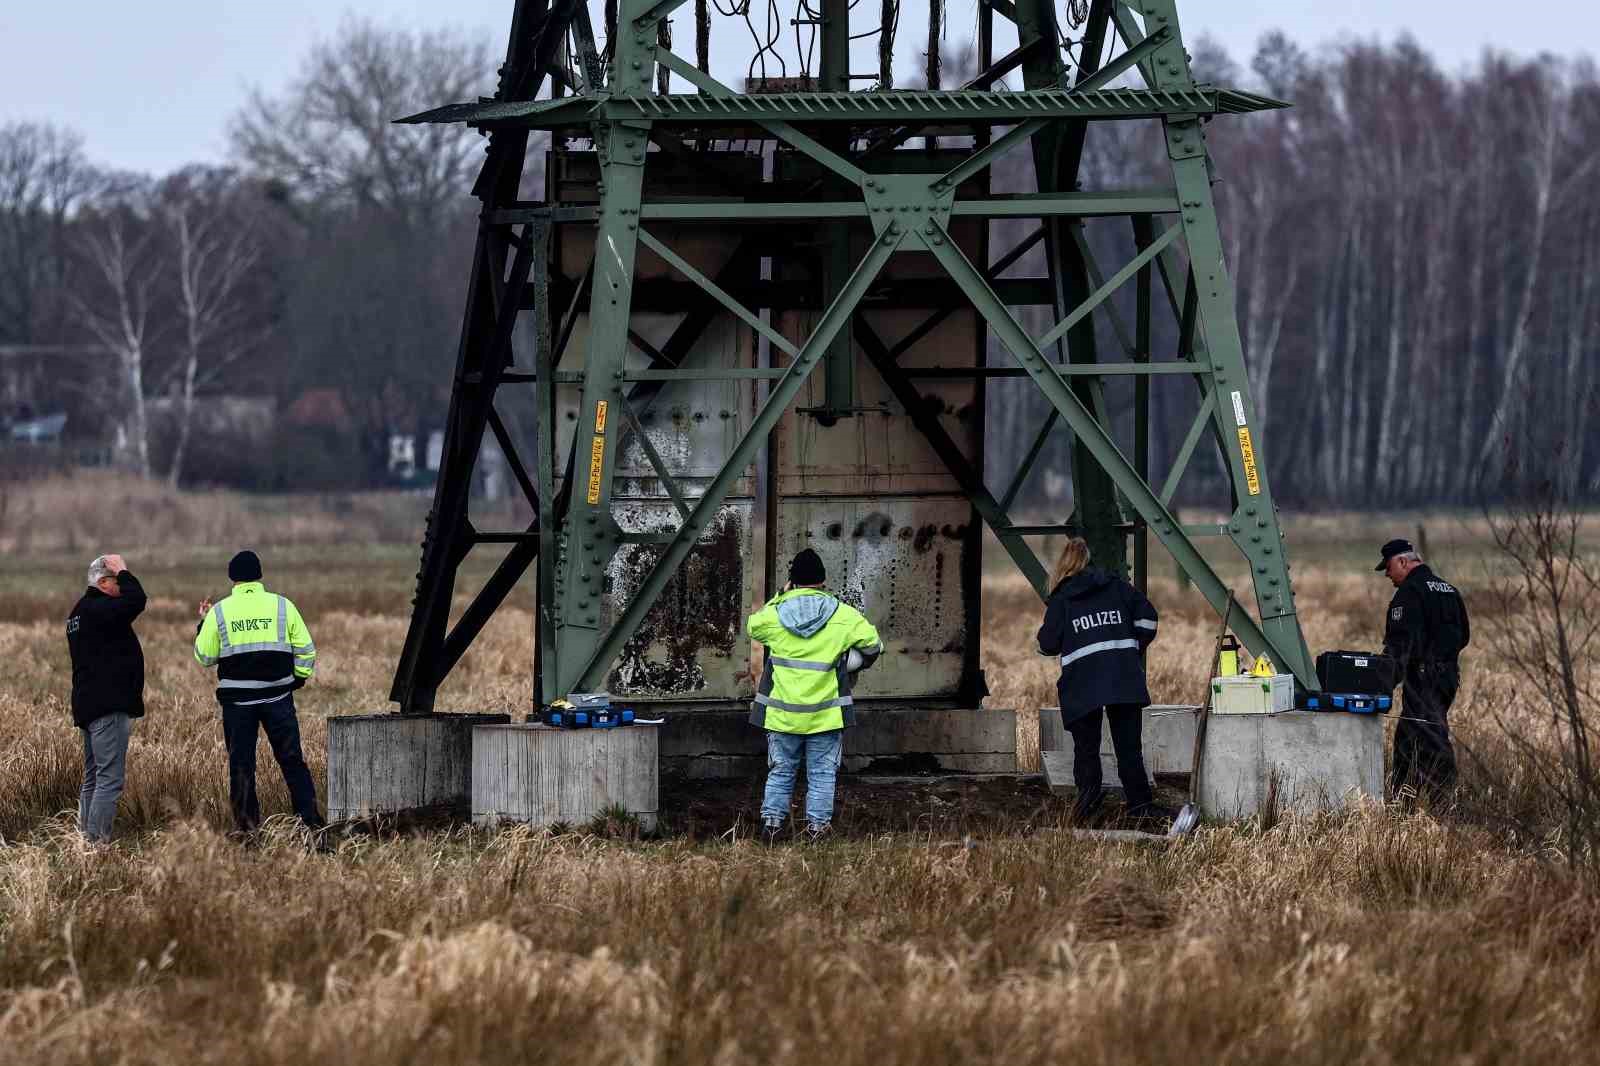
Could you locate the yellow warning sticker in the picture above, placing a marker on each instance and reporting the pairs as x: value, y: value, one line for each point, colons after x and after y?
x: 1252, y: 480
x: 600, y: 417
x: 597, y: 455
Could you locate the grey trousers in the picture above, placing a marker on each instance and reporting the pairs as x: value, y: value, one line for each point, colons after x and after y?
x: 105, y: 764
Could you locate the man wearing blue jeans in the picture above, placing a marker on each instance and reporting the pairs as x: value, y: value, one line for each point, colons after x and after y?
x: 107, y: 687
x: 815, y: 646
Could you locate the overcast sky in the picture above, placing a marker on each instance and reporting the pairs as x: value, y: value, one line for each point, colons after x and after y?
x: 152, y: 86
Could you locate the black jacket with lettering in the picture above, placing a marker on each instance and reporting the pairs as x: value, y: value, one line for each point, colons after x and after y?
x: 1099, y: 625
x: 1427, y: 622
x: 107, y: 661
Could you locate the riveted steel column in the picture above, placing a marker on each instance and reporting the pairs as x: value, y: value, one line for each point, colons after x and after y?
x: 1143, y: 236
x: 588, y: 536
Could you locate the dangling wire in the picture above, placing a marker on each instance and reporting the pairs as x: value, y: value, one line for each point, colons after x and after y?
x: 886, y: 34
x: 702, y: 36
x: 664, y: 41
x: 805, y: 16
x: 1077, y: 12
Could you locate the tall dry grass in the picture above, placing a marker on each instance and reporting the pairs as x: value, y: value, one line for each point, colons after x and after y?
x: 1373, y: 937
x: 1367, y: 938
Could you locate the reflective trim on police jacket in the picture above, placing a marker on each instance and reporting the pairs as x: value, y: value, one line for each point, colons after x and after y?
x: 1145, y: 623
x: 1104, y: 645
x: 799, y: 664
x: 241, y: 683
x: 803, y: 708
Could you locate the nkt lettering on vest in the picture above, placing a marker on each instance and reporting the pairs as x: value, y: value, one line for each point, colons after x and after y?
x: 1095, y: 620
x: 251, y: 625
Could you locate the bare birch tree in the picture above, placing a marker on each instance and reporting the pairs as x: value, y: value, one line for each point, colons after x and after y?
x: 116, y: 252
x: 214, y: 248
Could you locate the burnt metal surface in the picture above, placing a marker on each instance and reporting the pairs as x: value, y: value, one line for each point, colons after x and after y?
x: 898, y: 561
x: 692, y: 643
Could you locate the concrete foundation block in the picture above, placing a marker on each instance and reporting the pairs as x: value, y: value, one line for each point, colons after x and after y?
x: 1057, y: 767
x: 957, y: 740
x: 1167, y: 739
x: 722, y: 743
x: 1318, y: 761
x: 540, y: 775
x: 706, y: 744
x: 393, y: 763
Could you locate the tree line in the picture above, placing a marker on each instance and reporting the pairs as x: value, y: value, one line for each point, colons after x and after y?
x: 1413, y: 252
x: 326, y: 261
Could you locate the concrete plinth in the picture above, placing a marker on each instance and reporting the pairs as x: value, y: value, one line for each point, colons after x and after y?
x: 709, y: 744
x: 539, y: 775
x: 1319, y: 760
x: 960, y: 741
x: 393, y: 763
x: 1166, y: 737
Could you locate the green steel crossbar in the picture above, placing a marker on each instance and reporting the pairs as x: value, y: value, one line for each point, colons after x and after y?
x: 1116, y: 282
x: 653, y: 456
x: 1014, y: 205
x: 1185, y: 453
x: 718, y: 293
x: 1066, y: 370
x: 894, y: 107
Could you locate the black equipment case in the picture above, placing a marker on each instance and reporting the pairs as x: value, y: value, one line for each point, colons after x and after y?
x: 1357, y: 671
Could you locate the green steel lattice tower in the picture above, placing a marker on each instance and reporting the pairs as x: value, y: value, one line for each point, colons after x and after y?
x: 837, y: 165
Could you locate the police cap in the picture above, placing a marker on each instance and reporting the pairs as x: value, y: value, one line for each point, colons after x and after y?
x: 1398, y: 546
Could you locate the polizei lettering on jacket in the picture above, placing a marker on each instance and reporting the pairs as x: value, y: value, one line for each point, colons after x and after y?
x: 251, y: 625
x: 1085, y: 622
x: 1441, y: 586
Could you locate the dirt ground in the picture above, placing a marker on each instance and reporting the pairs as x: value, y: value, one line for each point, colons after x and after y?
x: 942, y: 806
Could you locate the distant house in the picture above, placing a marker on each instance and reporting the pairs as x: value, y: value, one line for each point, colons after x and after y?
x: 246, y: 416
x: 321, y: 408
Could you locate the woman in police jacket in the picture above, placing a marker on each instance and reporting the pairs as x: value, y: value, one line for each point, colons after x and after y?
x: 1100, y: 625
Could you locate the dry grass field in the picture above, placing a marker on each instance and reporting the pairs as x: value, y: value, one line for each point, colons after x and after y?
x: 1378, y: 936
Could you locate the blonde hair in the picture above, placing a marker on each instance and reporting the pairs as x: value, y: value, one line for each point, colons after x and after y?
x: 1074, y: 557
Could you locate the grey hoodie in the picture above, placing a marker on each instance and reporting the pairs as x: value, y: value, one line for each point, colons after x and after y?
x: 804, y: 615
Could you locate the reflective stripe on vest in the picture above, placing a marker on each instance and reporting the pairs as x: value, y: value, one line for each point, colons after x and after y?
x: 1104, y: 645
x: 804, y: 708
x: 799, y: 664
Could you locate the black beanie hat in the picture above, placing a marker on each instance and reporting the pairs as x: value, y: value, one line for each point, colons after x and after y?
x: 245, y: 566
x: 807, y: 569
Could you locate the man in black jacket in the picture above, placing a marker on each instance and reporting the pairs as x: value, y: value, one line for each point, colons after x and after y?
x: 1424, y: 632
x: 107, y: 687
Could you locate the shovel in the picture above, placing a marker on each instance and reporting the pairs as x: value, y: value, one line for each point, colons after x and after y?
x: 1188, y: 819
